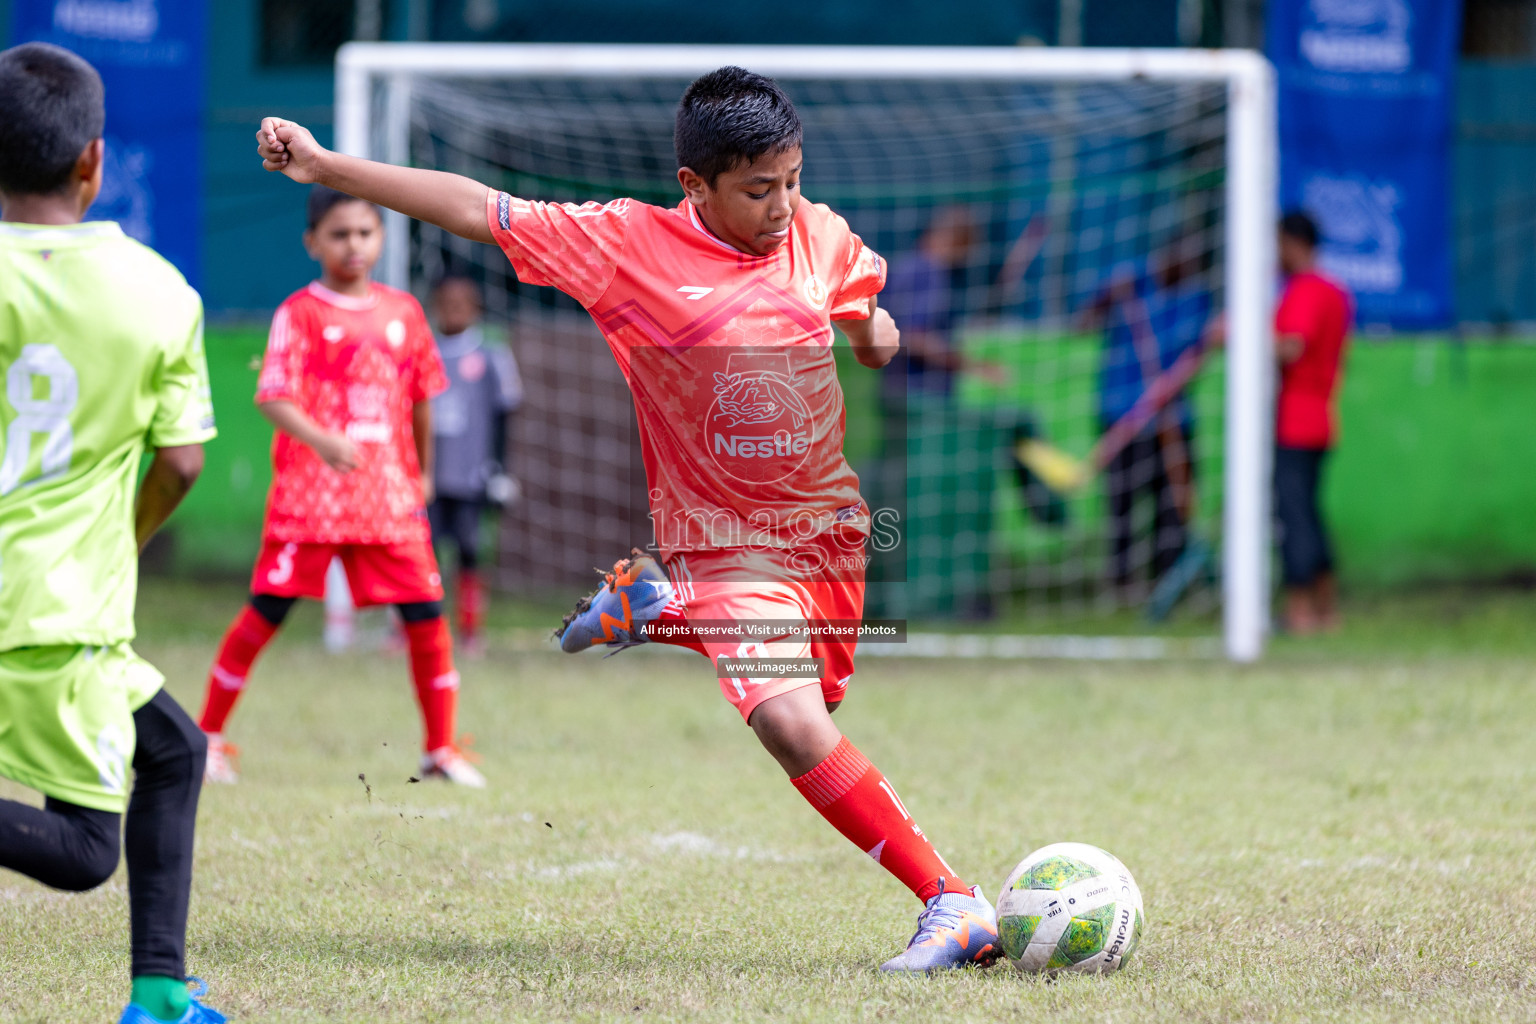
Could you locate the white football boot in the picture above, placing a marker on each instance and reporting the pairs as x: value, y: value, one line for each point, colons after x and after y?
x: 450, y: 764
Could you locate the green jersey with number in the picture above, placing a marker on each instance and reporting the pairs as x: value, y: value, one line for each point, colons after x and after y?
x: 101, y: 355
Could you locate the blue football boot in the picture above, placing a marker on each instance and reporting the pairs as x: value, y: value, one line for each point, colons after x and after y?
x: 196, y: 1013
x: 954, y: 929
x: 631, y: 597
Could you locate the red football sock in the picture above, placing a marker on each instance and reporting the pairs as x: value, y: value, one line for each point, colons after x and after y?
x: 673, y: 615
x: 437, y: 684
x: 247, y: 635
x: 853, y: 795
x: 471, y: 603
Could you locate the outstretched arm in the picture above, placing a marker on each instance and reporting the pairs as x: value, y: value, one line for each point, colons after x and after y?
x: 875, y: 340
x: 451, y: 201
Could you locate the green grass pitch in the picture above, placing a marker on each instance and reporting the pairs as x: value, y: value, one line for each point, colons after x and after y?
x: 1344, y: 832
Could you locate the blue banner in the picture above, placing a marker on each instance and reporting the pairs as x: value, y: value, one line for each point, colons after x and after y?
x: 1365, y: 145
x: 150, y: 55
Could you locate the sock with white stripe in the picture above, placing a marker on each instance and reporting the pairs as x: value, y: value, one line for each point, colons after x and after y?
x: 247, y: 635
x: 858, y: 801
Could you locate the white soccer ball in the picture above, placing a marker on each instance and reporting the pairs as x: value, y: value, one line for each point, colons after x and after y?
x: 1070, y: 907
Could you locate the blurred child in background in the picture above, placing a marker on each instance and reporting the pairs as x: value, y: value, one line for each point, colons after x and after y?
x: 469, y: 422
x: 347, y: 380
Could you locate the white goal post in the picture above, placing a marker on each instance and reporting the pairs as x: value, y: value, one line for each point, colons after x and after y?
x: 373, y: 95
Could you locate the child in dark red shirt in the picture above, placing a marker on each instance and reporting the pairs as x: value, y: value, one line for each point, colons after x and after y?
x: 1311, y: 331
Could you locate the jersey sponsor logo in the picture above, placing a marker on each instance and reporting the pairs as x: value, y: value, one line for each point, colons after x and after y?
x: 759, y: 428
x: 369, y: 433
x: 694, y: 292
x: 815, y: 291
x: 394, y: 333
x: 334, y: 333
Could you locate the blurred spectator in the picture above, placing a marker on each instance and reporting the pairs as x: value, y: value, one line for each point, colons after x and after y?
x: 469, y: 429
x: 1311, y: 329
x: 1150, y: 315
x: 921, y: 297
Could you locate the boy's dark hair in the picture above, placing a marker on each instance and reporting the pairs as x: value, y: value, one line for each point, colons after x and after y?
x: 322, y: 200
x: 455, y: 277
x: 1300, y: 226
x: 52, y: 106
x: 730, y: 117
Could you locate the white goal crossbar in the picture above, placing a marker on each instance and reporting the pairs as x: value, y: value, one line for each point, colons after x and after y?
x: 1250, y: 200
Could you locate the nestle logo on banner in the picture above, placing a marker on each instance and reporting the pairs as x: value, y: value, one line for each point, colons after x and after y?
x: 128, y: 21
x: 1362, y: 236
x: 125, y: 193
x: 1357, y: 35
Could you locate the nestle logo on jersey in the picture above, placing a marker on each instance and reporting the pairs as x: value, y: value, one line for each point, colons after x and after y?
x: 759, y: 392
x: 762, y: 446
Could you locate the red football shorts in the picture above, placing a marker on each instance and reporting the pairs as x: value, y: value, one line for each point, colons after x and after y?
x: 400, y: 573
x: 724, y: 586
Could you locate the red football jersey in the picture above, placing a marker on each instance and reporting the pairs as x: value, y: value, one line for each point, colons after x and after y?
x: 729, y: 357
x: 355, y: 366
x: 1319, y: 311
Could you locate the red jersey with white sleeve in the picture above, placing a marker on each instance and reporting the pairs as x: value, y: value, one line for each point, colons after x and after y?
x: 355, y: 366
x: 1318, y: 310
x: 729, y: 357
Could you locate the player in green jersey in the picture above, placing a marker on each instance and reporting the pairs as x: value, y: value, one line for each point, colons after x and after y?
x: 101, y: 355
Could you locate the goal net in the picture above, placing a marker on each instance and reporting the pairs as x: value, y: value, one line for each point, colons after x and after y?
x: 1079, y: 243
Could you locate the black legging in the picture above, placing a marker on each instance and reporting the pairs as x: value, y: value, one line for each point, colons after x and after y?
x: 1142, y: 468
x: 275, y: 609
x: 1305, y: 552
x: 71, y: 847
x: 458, y: 520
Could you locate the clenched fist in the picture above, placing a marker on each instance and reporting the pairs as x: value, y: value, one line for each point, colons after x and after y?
x: 290, y: 149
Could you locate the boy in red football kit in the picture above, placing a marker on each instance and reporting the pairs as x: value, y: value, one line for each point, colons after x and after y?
x: 719, y: 311
x: 349, y: 371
